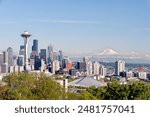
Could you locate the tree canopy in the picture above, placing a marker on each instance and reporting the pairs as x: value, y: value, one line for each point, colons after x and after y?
x: 116, y: 91
x: 24, y: 86
x: 31, y: 86
x: 36, y: 87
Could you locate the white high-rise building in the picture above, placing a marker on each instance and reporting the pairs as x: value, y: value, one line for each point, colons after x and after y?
x: 89, y: 66
x: 55, y: 66
x: 96, y: 67
x: 119, y: 67
x: 10, y: 56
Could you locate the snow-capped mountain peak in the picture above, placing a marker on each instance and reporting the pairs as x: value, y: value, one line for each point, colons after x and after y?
x: 108, y: 52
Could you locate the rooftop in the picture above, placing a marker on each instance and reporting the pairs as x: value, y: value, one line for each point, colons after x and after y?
x: 87, y: 82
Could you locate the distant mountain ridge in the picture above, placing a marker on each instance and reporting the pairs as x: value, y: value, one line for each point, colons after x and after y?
x: 111, y: 55
x: 109, y: 52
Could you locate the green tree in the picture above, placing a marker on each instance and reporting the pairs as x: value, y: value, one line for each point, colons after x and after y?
x: 116, y: 91
x: 40, y: 87
x: 74, y: 96
x: 98, y: 93
x: 45, y: 88
x: 112, y: 92
x: 2, y: 91
x: 87, y: 96
x: 32, y: 86
x: 139, y: 91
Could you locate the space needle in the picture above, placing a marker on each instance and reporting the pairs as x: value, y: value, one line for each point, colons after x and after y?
x: 25, y: 36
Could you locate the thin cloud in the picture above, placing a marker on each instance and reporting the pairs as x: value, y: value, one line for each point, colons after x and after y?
x: 66, y: 21
x: 76, y: 22
x: 61, y: 21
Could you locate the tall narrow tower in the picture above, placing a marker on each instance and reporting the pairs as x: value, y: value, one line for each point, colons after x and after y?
x: 35, y: 47
x: 50, y: 54
x: 25, y: 36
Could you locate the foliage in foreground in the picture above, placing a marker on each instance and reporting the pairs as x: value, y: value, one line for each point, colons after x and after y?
x: 31, y: 86
x: 115, y: 91
x: 40, y: 87
x: 36, y: 87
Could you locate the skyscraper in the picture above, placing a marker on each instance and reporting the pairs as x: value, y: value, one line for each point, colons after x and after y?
x: 5, y: 57
x: 89, y: 66
x: 119, y: 67
x: 61, y: 56
x: 50, y: 54
x: 81, y: 66
x: 20, y: 60
x: 43, y: 54
x: 10, y: 56
x: 37, y: 63
x: 96, y: 67
x: 35, y: 47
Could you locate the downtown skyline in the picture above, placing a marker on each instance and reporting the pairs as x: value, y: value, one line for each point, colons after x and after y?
x: 122, y: 26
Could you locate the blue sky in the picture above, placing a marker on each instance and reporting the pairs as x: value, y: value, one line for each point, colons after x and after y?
x: 77, y: 25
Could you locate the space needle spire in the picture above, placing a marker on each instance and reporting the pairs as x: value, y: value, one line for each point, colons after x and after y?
x: 25, y: 36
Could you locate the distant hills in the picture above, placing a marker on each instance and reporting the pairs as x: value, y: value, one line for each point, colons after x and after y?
x: 110, y: 55
x: 108, y: 52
